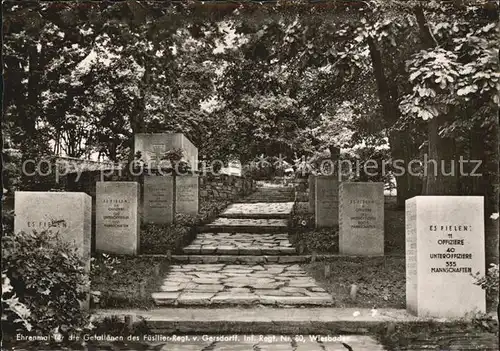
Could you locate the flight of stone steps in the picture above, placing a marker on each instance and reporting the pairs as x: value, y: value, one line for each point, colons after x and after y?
x: 243, y: 258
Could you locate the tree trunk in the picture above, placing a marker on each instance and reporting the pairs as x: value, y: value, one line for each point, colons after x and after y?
x: 405, y: 149
x: 402, y: 147
x: 441, y: 151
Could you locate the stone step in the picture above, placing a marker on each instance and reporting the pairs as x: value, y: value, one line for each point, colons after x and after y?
x: 240, y: 284
x: 241, y: 342
x: 268, y: 320
x: 240, y: 244
x: 233, y: 225
x: 251, y: 259
x: 264, y: 210
x: 246, y: 200
x: 240, y: 259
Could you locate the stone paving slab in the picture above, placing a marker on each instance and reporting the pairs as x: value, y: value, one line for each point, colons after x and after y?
x: 259, y: 210
x: 240, y: 244
x: 233, y: 225
x: 240, y: 284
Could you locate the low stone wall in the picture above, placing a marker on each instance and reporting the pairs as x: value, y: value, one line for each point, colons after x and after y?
x: 224, y: 187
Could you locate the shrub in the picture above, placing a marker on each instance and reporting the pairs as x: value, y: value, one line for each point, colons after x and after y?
x: 48, y: 276
x: 14, y: 312
x: 320, y: 240
x: 305, y: 236
x: 160, y: 238
x: 489, y: 282
x: 125, y: 281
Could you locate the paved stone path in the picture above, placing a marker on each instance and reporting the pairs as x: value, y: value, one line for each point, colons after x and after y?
x: 259, y: 210
x: 219, y: 284
x: 245, y: 259
x: 240, y: 244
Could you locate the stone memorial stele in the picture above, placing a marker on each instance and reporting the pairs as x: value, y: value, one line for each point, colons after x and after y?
x: 326, y: 201
x: 361, y: 213
x: 186, y: 194
x: 444, y: 246
x: 158, y: 199
x: 117, y: 218
x: 67, y: 213
x: 312, y: 192
x: 152, y: 147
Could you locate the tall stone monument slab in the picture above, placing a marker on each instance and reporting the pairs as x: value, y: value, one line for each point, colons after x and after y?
x: 158, y: 199
x: 68, y: 213
x: 186, y: 194
x: 326, y: 201
x: 117, y: 219
x: 153, y: 146
x: 444, y: 246
x: 361, y: 214
x: 312, y: 192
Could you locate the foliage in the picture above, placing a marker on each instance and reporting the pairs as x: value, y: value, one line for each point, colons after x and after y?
x: 116, y: 326
x: 489, y: 282
x: 104, y: 264
x: 162, y: 238
x: 124, y: 281
x: 306, y: 238
x: 13, y: 311
x: 47, y: 276
x: 319, y: 240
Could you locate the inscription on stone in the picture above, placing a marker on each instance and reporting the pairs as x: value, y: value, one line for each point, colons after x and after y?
x: 327, y: 201
x: 117, y: 223
x: 361, y: 219
x: 187, y: 195
x: 67, y: 213
x: 445, y: 245
x: 158, y: 199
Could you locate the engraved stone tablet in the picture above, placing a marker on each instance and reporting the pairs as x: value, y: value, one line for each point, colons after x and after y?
x: 158, y: 199
x: 327, y: 201
x: 117, y: 221
x: 68, y: 213
x: 444, y: 246
x: 361, y: 219
x: 186, y: 194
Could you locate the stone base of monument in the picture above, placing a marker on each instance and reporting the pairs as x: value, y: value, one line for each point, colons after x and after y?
x: 444, y: 247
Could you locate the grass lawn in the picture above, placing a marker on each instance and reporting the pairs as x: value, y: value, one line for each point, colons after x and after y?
x: 380, y: 281
x: 127, y: 282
